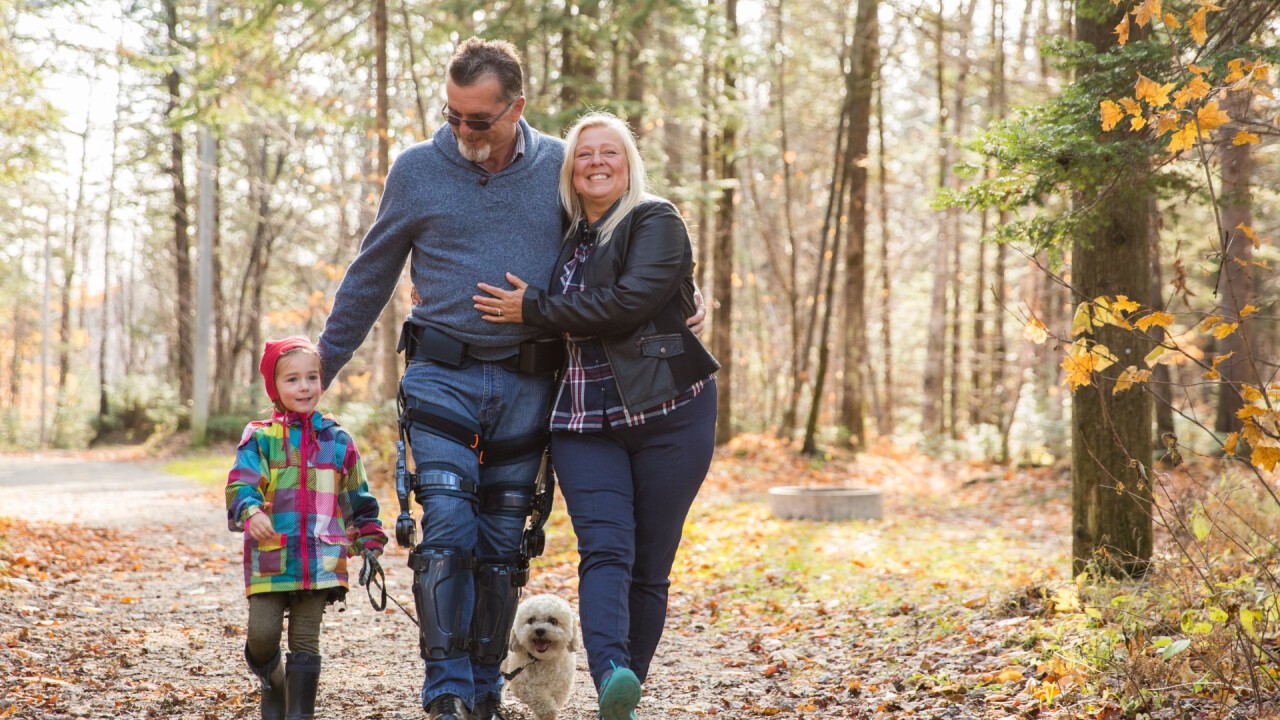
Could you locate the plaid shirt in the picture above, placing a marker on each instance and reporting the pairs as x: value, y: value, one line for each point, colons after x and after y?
x: 588, y: 399
x: 306, y: 474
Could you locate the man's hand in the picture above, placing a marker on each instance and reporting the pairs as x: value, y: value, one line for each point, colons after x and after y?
x: 260, y: 528
x: 695, y: 321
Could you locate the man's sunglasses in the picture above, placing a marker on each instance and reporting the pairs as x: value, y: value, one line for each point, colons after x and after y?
x: 477, y: 125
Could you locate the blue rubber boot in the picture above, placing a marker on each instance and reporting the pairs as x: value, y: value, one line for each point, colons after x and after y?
x: 619, y: 695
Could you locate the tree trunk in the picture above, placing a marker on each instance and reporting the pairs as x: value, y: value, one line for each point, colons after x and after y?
x: 863, y: 72
x: 704, y: 174
x: 722, y: 319
x: 1111, y: 433
x: 1235, y: 276
x: 932, y: 407
x: 181, y: 230
x: 885, y: 423
x: 638, y: 67
x: 791, y: 286
x: 69, y: 263
x: 391, y: 318
x: 104, y: 407
x: 1161, y: 385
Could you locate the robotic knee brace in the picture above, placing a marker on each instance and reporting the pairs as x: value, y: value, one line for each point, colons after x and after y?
x: 443, y: 575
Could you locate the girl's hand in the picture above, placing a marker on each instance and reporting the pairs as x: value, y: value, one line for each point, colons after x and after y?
x: 260, y: 527
x: 505, y: 306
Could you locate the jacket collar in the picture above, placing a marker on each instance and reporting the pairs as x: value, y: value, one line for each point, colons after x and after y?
x: 317, y: 421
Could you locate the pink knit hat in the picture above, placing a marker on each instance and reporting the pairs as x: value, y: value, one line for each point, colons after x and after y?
x: 271, y: 353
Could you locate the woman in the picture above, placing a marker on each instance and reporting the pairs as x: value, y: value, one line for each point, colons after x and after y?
x: 634, y: 420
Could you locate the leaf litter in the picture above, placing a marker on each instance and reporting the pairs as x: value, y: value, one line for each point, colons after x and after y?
x: 944, y: 609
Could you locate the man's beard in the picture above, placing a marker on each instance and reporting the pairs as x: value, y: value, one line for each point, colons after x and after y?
x: 475, y: 153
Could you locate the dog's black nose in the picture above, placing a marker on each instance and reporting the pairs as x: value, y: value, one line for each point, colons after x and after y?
x: 540, y: 632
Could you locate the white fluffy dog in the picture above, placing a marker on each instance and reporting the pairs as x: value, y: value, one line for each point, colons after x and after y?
x: 544, y: 642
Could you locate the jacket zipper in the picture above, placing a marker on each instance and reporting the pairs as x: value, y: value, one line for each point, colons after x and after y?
x: 303, y: 516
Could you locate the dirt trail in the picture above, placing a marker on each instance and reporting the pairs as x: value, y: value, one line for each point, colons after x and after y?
x: 141, y: 614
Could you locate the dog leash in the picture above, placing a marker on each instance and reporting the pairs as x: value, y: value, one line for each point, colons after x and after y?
x: 371, y: 576
x: 511, y: 675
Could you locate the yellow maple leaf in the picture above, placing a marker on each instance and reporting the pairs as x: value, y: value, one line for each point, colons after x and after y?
x: 1146, y: 10
x: 1131, y: 106
x: 1235, y: 71
x: 1123, y: 304
x: 1249, y: 411
x: 1137, y: 123
x: 1249, y: 233
x: 1213, y: 373
x: 1197, y: 69
x: 1211, y: 117
x: 1224, y: 329
x: 1122, y: 31
x: 1129, y: 377
x: 1078, y: 371
x: 1035, y: 331
x: 1244, y: 137
x: 1195, y: 26
x: 1265, y: 457
x: 1183, y: 139
x: 1229, y: 445
x: 1154, y: 356
x: 1171, y: 21
x: 1195, y: 89
x: 1250, y: 393
x: 1210, y: 321
x: 1154, y: 93
x: 1082, y: 360
x: 1111, y: 114
x: 1248, y: 310
x: 1157, y: 319
x: 1166, y: 122
x: 1083, y: 321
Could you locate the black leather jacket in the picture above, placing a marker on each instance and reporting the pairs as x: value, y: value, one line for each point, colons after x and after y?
x: 632, y: 302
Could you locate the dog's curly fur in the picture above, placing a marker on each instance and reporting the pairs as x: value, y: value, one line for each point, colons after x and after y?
x: 544, y: 641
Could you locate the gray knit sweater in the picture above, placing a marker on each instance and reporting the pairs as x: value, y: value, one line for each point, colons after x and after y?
x: 460, y: 225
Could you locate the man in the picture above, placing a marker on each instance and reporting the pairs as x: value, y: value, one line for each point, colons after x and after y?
x: 476, y: 200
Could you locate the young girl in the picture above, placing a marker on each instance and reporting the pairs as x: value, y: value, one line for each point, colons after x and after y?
x: 298, y: 493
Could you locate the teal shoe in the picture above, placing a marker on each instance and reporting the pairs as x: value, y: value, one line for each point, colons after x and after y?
x: 619, y: 695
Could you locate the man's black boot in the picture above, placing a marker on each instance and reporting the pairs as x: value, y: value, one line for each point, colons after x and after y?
x: 272, y: 676
x: 448, y: 707
x: 488, y: 707
x: 302, y: 678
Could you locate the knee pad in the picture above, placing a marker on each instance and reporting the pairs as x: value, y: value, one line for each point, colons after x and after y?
x: 497, y: 594
x: 441, y: 578
x: 443, y: 479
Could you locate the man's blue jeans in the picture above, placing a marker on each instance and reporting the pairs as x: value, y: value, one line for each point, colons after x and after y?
x: 505, y: 404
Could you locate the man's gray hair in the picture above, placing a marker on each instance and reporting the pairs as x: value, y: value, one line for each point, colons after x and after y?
x: 476, y: 59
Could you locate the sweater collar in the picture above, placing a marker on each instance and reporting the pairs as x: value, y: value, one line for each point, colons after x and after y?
x: 447, y: 142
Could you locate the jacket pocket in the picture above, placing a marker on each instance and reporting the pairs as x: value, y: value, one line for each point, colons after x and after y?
x: 661, y: 346
x: 333, y: 553
x: 269, y: 556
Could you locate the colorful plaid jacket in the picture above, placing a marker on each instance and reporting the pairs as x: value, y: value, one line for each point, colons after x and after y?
x: 319, y: 524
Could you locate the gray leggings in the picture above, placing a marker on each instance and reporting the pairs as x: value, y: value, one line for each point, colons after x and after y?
x: 266, y: 622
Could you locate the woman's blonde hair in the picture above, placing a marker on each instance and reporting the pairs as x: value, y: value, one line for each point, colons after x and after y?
x: 636, y: 187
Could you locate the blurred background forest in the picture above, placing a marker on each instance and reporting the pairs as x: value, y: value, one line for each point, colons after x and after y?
x: 812, y: 147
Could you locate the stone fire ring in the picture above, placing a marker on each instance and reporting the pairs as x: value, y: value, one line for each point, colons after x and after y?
x: 825, y: 503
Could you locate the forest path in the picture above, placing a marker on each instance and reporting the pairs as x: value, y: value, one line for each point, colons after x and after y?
x: 141, y: 612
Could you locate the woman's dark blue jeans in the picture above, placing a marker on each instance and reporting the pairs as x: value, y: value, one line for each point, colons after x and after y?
x: 628, y: 490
